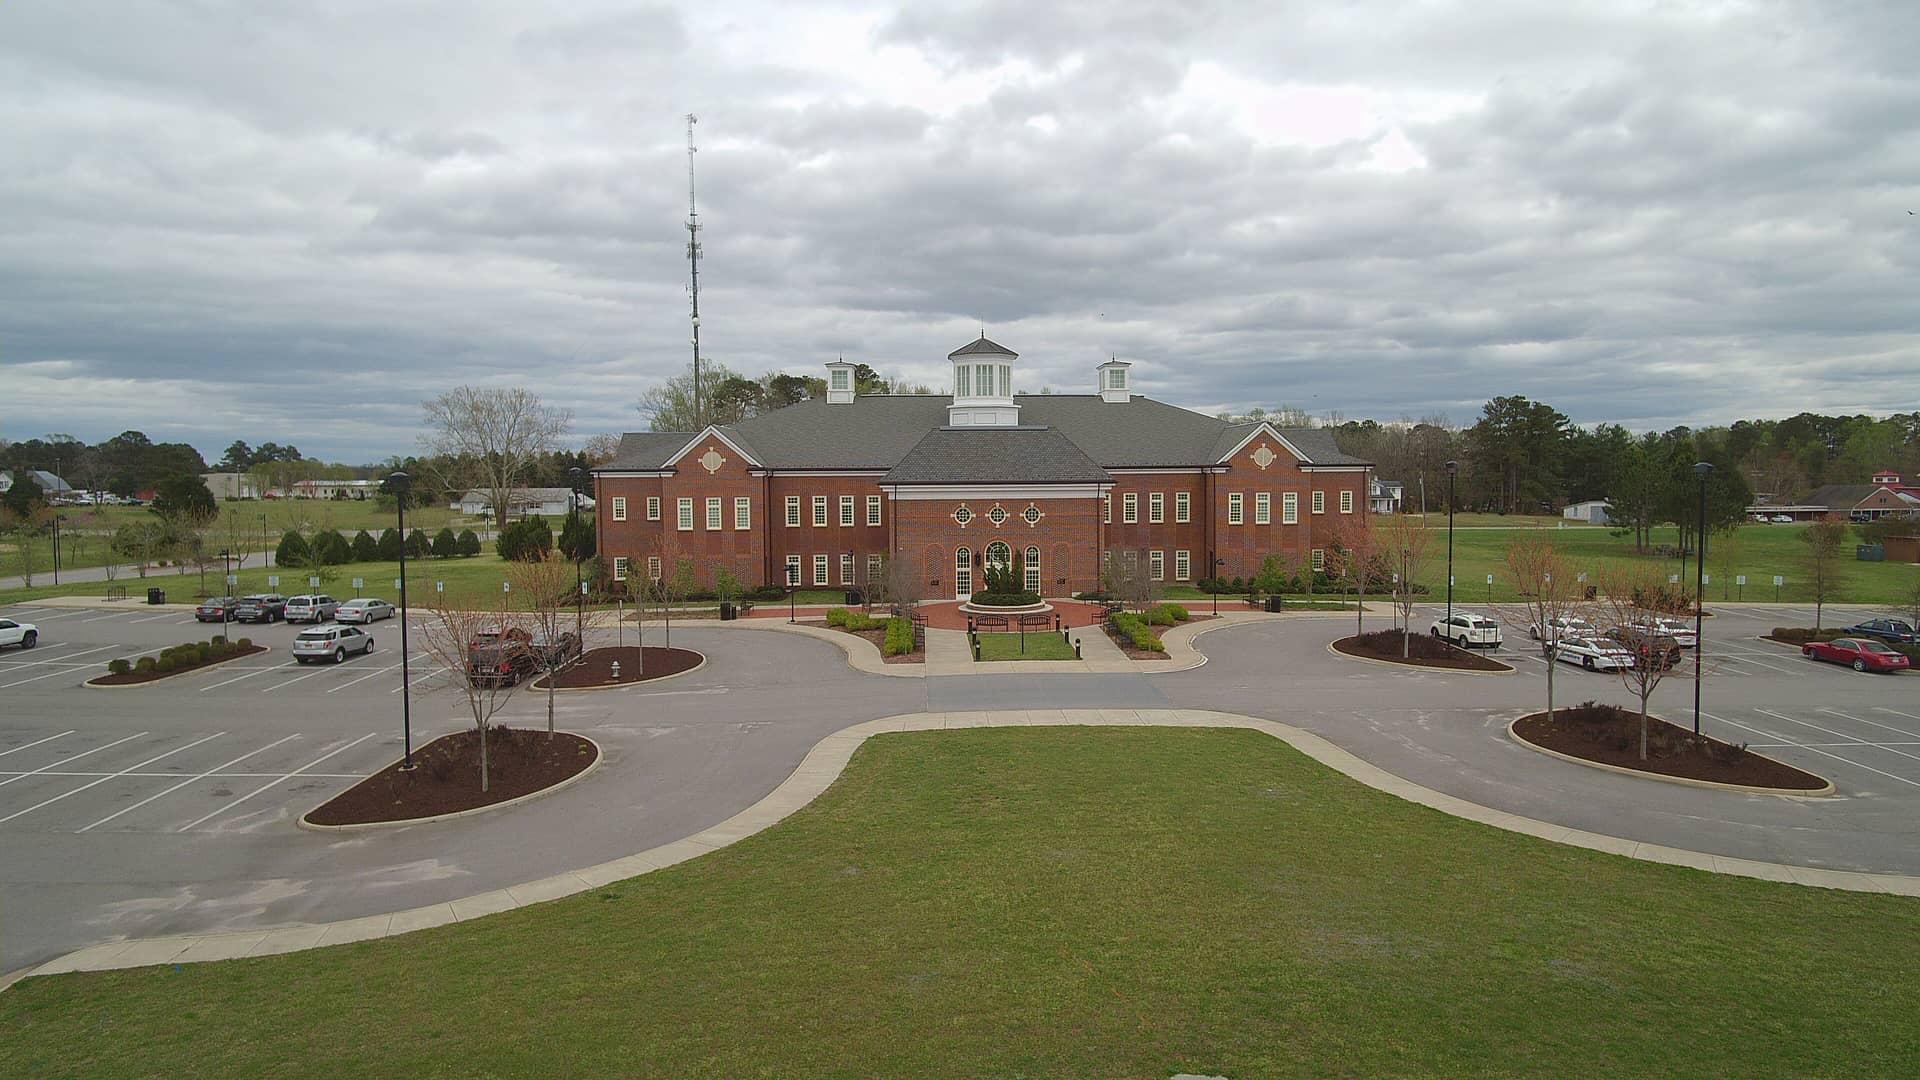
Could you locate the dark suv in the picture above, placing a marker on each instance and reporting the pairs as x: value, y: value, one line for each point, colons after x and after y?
x: 261, y: 607
x: 507, y: 656
x: 1898, y: 631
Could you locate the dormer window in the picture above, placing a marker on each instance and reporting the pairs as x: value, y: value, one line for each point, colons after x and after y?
x: 840, y: 379
x: 963, y: 380
x: 1116, y: 378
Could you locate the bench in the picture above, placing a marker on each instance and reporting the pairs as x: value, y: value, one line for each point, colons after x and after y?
x: 990, y: 622
x: 1035, y: 622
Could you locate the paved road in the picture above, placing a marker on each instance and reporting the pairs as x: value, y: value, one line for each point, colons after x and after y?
x: 127, y: 575
x: 170, y: 809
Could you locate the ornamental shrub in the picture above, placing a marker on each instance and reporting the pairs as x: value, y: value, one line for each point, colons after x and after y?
x: 389, y: 545
x: 293, y: 550
x: 219, y: 639
x: 1158, y: 615
x: 203, y: 652
x: 118, y: 667
x: 332, y: 549
x: 245, y: 643
x: 145, y: 665
x: 469, y: 543
x: 445, y: 544
x: 899, y: 637
x: 1179, y: 612
x: 837, y: 616
x: 418, y: 546
x: 164, y: 665
x: 365, y: 547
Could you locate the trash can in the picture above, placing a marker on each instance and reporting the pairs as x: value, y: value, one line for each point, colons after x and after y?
x: 1274, y: 603
x: 855, y: 598
x: 156, y: 596
x: 1593, y: 592
x: 728, y: 612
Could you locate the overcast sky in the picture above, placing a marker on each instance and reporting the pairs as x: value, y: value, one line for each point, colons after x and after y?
x: 292, y: 222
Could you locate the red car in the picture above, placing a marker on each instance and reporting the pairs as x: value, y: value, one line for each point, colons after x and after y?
x: 1859, y: 654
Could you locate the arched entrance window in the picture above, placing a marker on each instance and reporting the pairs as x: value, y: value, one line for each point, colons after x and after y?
x: 1033, y: 570
x: 963, y: 573
x: 999, y: 556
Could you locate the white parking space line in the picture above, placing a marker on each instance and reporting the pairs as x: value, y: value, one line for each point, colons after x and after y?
x: 1772, y: 746
x: 109, y: 776
x: 420, y: 679
x: 1830, y: 731
x: 68, y: 658
x: 290, y: 682
x: 155, y: 618
x: 1815, y: 749
x: 50, y: 648
x: 248, y: 675
x: 188, y: 780
x: 56, y: 615
x: 1875, y: 723
x: 72, y: 757
x: 1741, y: 659
x: 54, y: 674
x: 363, y: 678
x: 103, y: 618
x: 82, y: 774
x: 36, y: 742
x: 270, y: 783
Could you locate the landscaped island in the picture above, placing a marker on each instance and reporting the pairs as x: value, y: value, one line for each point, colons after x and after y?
x: 445, y: 778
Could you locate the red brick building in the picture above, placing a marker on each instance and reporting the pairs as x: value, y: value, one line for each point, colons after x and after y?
x: 1054, y: 484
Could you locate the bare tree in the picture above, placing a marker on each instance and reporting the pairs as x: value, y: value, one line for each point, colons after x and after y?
x: 502, y: 431
x: 902, y: 585
x: 1911, y: 602
x: 25, y: 531
x: 1550, y: 597
x: 545, y: 585
x: 1631, y: 594
x: 1359, y: 552
x: 1130, y: 582
x: 1403, y: 539
x: 142, y: 540
x: 1822, y: 561
x: 449, y: 634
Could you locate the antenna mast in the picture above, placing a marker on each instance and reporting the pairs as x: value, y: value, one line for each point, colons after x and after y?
x: 693, y: 272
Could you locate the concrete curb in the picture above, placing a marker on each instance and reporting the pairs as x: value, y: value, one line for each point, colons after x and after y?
x: 1419, y: 667
x: 823, y: 765
x: 91, y: 685
x: 599, y: 755
x: 532, y: 687
x: 1792, y: 793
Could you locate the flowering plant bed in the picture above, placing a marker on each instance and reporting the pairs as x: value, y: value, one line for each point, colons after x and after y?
x: 595, y: 668
x: 176, y: 660
x: 1422, y: 650
x: 445, y: 778
x: 1610, y: 735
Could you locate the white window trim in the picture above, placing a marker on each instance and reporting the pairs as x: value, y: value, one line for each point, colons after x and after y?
x: 1290, y: 508
x: 1262, y: 508
x: 1182, y: 508
x: 1130, y: 508
x: 619, y: 568
x: 876, y: 566
x: 653, y: 508
x: 1157, y: 565
x: 846, y: 568
x: 1030, y: 572
x: 793, y: 564
x: 742, y: 513
x: 821, y: 566
x: 793, y: 511
x: 619, y: 510
x: 846, y: 511
x: 1319, y: 502
x: 683, y: 515
x: 653, y: 568
x: 1346, y: 502
x: 819, y: 511
x: 873, y: 510
x: 1106, y: 507
x: 1236, y: 508
x: 716, y: 513
x: 1319, y: 558
x: 1182, y: 565
x: 1156, y: 508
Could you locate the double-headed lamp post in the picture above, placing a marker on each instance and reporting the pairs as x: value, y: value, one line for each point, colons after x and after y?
x: 1453, y: 469
x: 579, y: 587
x: 1214, y: 572
x: 1700, y: 469
x: 399, y: 483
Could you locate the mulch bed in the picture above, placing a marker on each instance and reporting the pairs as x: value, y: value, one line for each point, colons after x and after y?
x: 446, y: 776
x: 1423, y: 650
x: 595, y: 669
x: 1611, y: 735
x: 879, y: 639
x: 134, y: 678
x: 1125, y: 644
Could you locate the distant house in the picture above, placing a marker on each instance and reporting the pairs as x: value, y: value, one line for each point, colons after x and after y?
x: 231, y: 485
x: 523, y: 502
x: 334, y: 489
x: 1383, y: 496
x: 49, y: 483
x: 1887, y: 495
x: 1593, y: 512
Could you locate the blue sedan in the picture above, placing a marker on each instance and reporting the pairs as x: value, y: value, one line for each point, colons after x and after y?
x: 1898, y: 631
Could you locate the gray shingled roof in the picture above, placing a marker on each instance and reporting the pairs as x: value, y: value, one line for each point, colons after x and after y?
x: 1842, y: 496
x: 983, y: 345
x: 877, y: 432
x: 1016, y: 455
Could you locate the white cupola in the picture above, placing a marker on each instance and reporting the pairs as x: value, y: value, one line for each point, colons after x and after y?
x: 983, y: 385
x: 841, y: 384
x: 1113, y: 384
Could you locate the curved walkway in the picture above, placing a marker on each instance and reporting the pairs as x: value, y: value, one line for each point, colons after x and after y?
x: 823, y: 765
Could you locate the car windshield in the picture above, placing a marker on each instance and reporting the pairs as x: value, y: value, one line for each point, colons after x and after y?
x: 1875, y: 647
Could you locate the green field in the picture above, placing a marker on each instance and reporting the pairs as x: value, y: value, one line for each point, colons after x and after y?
x: 1038, y: 646
x: 1070, y: 902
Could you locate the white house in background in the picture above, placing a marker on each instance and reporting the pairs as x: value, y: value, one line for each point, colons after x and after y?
x: 523, y: 502
x: 1593, y: 512
x: 334, y: 489
x: 1383, y: 496
x: 231, y: 485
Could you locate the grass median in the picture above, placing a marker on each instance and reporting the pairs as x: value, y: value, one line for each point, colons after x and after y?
x: 1061, y: 902
x: 1041, y: 645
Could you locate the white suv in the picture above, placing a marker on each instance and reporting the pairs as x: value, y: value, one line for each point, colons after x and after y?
x: 313, y: 609
x: 1467, y: 630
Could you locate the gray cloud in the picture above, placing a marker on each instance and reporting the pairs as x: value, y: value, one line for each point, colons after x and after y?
x: 294, y: 222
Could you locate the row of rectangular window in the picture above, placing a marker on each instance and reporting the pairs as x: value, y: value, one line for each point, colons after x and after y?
x: 1182, y: 563
x: 1236, y: 507
x: 820, y: 510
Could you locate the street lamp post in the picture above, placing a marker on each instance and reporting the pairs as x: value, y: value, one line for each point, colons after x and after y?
x: 1214, y: 571
x: 579, y: 587
x: 56, y: 548
x: 399, y: 482
x: 1700, y: 469
x: 1453, y: 469
x: 793, y: 594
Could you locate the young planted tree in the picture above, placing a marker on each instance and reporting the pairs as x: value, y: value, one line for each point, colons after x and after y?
x: 502, y: 432
x: 449, y: 633
x: 903, y: 585
x: 1628, y: 593
x: 545, y: 586
x: 143, y: 541
x: 25, y: 530
x: 1403, y: 540
x: 1822, y: 561
x: 1359, y: 551
x: 1550, y: 595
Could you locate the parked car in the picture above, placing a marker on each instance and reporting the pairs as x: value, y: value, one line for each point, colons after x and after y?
x: 1466, y: 630
x: 502, y: 656
x: 313, y: 609
x: 219, y: 609
x: 1899, y: 631
x: 331, y: 643
x: 24, y: 634
x: 1860, y: 654
x: 1679, y: 631
x: 364, y: 610
x: 1562, y: 627
x: 261, y: 608
x: 1647, y: 648
x: 1594, y: 654
x: 1782, y: 519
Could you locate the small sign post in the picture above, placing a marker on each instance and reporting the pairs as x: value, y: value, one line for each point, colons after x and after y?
x: 313, y: 582
x: 357, y: 583
x: 1740, y: 581
x: 233, y: 579
x: 273, y: 581
x: 1778, y: 581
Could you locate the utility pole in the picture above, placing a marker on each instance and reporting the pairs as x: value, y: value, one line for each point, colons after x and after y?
x: 693, y: 275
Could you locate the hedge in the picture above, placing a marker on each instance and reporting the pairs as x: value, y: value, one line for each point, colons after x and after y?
x: 1005, y: 599
x: 1137, y: 630
x: 899, y: 637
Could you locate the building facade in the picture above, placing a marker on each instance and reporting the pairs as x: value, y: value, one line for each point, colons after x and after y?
x: 830, y: 492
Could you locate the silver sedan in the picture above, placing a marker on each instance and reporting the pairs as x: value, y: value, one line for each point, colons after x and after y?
x: 363, y: 611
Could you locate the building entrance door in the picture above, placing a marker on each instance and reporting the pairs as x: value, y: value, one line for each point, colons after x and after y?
x: 963, y: 574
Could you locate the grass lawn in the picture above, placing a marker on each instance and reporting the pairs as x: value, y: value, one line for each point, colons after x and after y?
x: 474, y: 580
x: 1040, y: 646
x: 1062, y: 902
